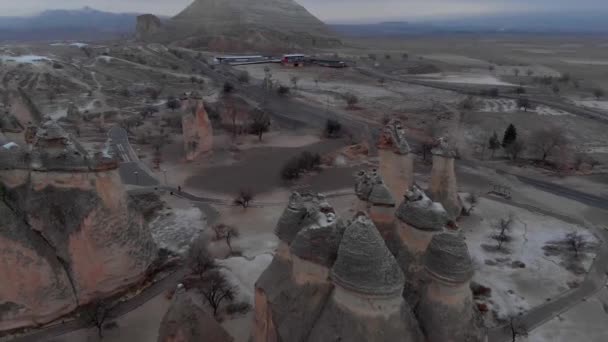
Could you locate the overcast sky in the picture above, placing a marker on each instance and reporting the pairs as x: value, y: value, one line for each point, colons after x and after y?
x: 328, y: 10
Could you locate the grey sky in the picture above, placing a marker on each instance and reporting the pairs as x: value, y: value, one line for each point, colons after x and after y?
x: 329, y: 10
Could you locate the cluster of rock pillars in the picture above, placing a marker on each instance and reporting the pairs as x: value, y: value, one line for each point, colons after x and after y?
x: 393, y: 272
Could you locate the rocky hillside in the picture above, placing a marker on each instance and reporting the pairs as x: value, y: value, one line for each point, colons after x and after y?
x: 242, y: 24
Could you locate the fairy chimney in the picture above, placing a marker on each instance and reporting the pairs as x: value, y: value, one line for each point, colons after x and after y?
x: 443, y: 187
x: 396, y: 161
x: 376, y: 200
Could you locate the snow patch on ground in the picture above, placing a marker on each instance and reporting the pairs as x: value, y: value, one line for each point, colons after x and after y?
x: 586, y: 61
x: 465, y: 78
x: 455, y: 59
x: 603, y: 105
x: 244, y: 272
x: 510, y: 106
x: 514, y: 289
x: 31, y: 59
x: 175, y: 229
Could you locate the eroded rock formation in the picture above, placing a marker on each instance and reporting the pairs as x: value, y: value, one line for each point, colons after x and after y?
x: 396, y: 161
x: 187, y: 322
x: 446, y: 311
x: 443, y: 187
x: 68, y: 233
x: 418, y: 220
x: 328, y: 281
x: 377, y: 201
x: 196, y: 127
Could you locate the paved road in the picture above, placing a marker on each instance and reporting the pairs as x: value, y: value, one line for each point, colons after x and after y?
x: 132, y: 171
x: 121, y: 309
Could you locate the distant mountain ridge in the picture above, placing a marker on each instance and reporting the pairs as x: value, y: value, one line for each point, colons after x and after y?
x: 581, y: 22
x: 85, y: 23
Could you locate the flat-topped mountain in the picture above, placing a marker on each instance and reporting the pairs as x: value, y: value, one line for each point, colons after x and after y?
x: 244, y: 24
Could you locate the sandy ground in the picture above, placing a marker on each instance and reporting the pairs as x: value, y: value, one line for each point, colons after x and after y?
x: 514, y: 289
x: 585, y: 322
x: 140, y: 325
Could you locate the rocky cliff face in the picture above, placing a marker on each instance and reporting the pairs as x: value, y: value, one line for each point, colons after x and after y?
x: 69, y: 234
x: 196, y: 127
x: 242, y: 24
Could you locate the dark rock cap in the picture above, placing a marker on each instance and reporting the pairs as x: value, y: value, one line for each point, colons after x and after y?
x: 443, y: 148
x: 394, y: 136
x: 371, y: 188
x: 447, y: 257
x: 303, y: 210
x: 364, y: 264
x: 319, y: 241
x: 419, y: 211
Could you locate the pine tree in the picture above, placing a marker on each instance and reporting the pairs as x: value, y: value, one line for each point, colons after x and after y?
x: 510, y: 136
x: 494, y: 143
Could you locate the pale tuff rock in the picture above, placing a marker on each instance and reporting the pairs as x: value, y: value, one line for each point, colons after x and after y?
x: 446, y: 311
x: 364, y: 264
x: 70, y: 228
x: 443, y: 187
x: 420, y: 212
x: 396, y: 161
x: 196, y: 127
x: 185, y: 321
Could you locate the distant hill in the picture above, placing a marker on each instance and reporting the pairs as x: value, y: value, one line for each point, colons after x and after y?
x: 85, y: 23
x: 238, y: 25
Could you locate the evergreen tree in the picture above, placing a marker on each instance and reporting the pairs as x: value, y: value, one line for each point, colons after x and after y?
x: 510, y: 136
x: 494, y: 143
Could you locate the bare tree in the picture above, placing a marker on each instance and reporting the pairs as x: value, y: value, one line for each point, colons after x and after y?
x: 198, y: 258
x: 294, y: 81
x: 494, y: 143
x: 173, y: 103
x: 260, y: 123
x: 244, y: 198
x: 503, y: 227
x: 516, y: 328
x: 576, y: 242
x: 530, y: 72
x: 97, y: 313
x: 546, y: 141
x: 515, y: 149
x: 473, y: 200
x: 524, y: 103
x: 231, y: 233
x: 220, y: 230
x: 516, y: 72
x: 351, y: 100
x: 216, y: 290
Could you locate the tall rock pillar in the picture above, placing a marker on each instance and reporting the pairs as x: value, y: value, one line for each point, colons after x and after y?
x: 446, y: 311
x: 376, y: 200
x: 418, y: 220
x: 443, y: 187
x: 196, y: 127
x: 396, y: 161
